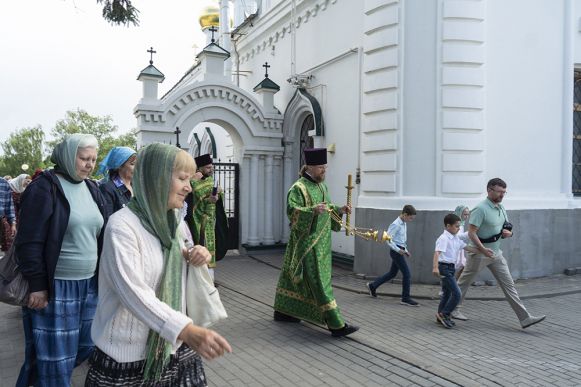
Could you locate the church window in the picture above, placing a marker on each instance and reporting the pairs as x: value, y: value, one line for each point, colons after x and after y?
x: 577, y: 134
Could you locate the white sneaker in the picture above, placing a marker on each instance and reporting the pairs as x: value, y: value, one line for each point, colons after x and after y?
x: 456, y: 314
x: 531, y: 320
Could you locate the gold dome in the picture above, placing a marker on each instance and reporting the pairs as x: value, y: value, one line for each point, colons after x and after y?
x: 210, y: 16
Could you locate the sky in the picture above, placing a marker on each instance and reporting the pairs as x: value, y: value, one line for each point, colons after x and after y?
x: 59, y: 55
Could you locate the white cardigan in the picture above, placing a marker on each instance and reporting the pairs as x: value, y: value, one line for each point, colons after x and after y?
x: 130, y: 271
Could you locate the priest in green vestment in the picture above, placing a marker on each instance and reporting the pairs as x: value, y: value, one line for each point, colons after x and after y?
x: 201, y: 216
x: 304, y: 290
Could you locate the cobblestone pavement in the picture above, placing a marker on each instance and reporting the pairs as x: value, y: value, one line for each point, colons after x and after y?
x: 396, y: 345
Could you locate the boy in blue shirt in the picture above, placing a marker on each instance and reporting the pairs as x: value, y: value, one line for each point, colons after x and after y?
x: 448, y: 246
x: 398, y: 253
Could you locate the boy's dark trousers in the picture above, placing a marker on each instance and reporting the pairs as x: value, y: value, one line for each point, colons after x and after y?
x: 451, y: 291
x: 398, y: 263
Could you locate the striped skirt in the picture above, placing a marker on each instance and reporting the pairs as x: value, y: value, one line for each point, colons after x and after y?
x: 58, y: 337
x: 185, y: 369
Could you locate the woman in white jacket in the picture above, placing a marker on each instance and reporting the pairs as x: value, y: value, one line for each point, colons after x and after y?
x: 142, y: 334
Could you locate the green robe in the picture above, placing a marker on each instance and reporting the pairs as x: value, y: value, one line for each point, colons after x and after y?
x: 204, y: 216
x: 304, y: 288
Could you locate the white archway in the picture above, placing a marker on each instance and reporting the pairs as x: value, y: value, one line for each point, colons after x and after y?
x: 256, y: 137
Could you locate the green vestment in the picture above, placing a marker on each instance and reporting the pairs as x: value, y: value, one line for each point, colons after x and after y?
x: 304, y: 288
x: 203, y: 221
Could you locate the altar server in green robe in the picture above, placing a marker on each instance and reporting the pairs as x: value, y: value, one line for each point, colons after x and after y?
x: 202, y: 208
x: 304, y: 290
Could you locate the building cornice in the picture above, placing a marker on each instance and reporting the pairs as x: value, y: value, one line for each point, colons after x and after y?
x: 260, y: 38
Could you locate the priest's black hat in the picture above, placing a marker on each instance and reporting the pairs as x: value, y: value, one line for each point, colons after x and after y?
x: 203, y: 160
x: 316, y: 156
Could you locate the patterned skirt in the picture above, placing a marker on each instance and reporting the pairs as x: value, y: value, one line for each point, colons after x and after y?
x: 185, y: 369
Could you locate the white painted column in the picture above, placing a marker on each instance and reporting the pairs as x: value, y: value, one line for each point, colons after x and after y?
x: 253, y: 239
x: 381, y: 131
x: 277, y: 206
x: 225, y: 36
x: 287, y: 182
x: 461, y: 125
x: 268, y: 201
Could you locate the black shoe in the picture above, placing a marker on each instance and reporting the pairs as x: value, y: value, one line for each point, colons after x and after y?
x: 278, y: 316
x: 346, y: 330
x: 441, y: 319
x: 450, y: 320
x: 371, y: 289
x: 409, y: 302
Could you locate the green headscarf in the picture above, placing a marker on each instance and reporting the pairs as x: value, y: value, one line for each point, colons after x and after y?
x: 64, y: 155
x: 151, y: 184
x: 458, y: 211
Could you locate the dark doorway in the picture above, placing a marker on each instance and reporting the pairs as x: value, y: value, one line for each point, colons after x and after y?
x: 306, y: 140
x: 227, y: 176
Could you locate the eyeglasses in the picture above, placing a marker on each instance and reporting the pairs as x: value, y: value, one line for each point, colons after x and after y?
x: 499, y: 192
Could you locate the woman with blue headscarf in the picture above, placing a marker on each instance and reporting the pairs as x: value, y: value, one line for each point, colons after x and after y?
x: 117, y: 169
x: 62, y: 219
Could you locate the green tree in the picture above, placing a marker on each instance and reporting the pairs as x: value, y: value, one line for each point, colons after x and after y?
x: 102, y: 128
x: 120, y: 12
x: 24, y: 146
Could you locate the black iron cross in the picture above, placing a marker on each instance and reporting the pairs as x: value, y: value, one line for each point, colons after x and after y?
x: 266, y: 67
x: 212, y: 30
x: 151, y: 51
x: 177, y: 133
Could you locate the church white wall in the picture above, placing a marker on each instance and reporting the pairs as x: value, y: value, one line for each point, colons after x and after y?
x: 525, y: 99
x: 333, y: 33
x: 419, y: 98
x: 576, y: 30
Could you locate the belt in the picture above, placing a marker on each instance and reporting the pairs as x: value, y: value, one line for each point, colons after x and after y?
x: 446, y: 263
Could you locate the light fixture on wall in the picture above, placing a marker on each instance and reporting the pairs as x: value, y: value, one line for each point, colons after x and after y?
x: 331, y: 148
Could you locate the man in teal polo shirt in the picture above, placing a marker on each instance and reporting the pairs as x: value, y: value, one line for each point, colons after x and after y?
x: 488, y: 226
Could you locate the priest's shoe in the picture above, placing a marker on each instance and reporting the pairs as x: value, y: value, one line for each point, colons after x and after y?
x: 278, y: 316
x: 346, y: 330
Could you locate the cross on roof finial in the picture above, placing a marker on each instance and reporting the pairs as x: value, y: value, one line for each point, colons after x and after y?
x: 151, y: 51
x: 266, y: 67
x: 212, y: 30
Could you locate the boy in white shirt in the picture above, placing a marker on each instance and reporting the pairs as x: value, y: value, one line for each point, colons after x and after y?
x: 448, y: 245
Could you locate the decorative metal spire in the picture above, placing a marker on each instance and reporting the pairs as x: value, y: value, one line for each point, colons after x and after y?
x: 151, y: 51
x: 266, y: 67
x: 212, y: 30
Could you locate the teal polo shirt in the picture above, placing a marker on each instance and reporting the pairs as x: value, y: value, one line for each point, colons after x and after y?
x: 489, y: 219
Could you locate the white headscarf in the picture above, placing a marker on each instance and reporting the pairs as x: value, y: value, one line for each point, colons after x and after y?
x: 17, y: 184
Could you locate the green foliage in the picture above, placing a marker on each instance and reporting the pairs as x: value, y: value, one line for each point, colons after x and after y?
x: 120, y: 12
x: 24, y: 146
x: 102, y: 128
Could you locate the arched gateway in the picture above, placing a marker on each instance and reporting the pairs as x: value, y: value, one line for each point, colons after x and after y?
x: 205, y: 95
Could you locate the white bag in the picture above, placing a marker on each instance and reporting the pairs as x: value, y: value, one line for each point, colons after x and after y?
x: 203, y: 302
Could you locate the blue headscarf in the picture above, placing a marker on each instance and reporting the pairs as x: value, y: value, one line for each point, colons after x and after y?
x: 115, y: 159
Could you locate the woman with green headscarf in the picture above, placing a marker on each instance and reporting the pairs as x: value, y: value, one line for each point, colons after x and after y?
x: 141, y: 331
x: 62, y: 218
x: 463, y: 212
